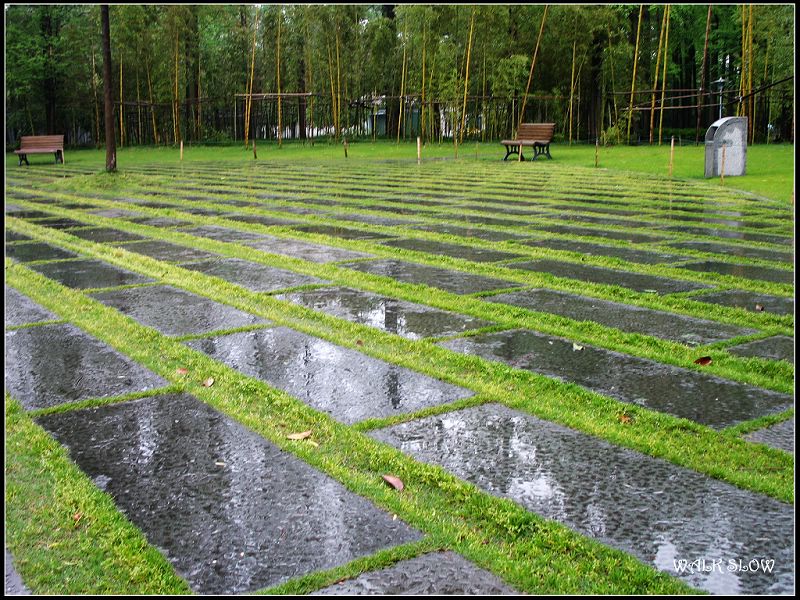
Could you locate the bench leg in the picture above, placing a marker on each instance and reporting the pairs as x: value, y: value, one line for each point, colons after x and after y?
x: 59, y: 156
x: 23, y: 157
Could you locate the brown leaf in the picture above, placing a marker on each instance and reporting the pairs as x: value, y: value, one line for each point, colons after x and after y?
x: 299, y: 436
x: 77, y: 517
x: 759, y: 308
x: 181, y: 371
x: 703, y: 361
x: 395, y: 482
x: 623, y: 418
x: 359, y: 343
x: 208, y: 382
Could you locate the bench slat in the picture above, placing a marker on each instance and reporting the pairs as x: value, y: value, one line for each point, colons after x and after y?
x: 40, y: 144
x: 538, y: 135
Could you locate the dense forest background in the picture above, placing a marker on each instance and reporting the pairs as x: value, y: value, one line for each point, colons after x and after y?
x: 216, y: 73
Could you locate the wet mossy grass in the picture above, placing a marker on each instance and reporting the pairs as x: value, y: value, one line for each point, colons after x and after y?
x: 530, y: 554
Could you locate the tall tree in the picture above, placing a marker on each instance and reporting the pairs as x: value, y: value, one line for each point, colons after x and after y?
x: 111, y: 150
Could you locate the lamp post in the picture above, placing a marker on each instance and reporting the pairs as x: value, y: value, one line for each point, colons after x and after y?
x: 719, y: 82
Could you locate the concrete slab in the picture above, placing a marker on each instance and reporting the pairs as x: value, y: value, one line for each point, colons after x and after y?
x: 437, y: 573
x: 166, y: 251
x: 634, y: 238
x: 453, y: 250
x: 21, y: 310
x: 37, y: 251
x: 83, y: 274
x: 305, y: 250
x: 253, y: 276
x: 635, y: 281
x: 777, y: 347
x: 346, y: 384
x: 633, y: 319
x: 745, y: 271
x: 779, y: 305
x: 633, y: 255
x: 730, y: 250
x: 105, y: 234
x: 684, y: 393
x: 663, y: 514
x: 407, y: 319
x: 780, y: 436
x: 176, y: 312
x: 231, y: 511
x: 54, y: 364
x: 457, y: 282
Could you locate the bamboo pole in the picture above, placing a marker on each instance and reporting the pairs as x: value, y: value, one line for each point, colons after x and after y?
x: 664, y: 76
x: 422, y: 104
x: 402, y: 82
x: 121, y: 106
x: 533, y: 65
x: 633, y: 79
x: 176, y: 115
x: 338, y: 85
x: 572, y: 88
x: 739, y: 107
x: 249, y: 99
x: 671, y: 154
x: 466, y: 74
x: 751, y: 101
x: 655, y: 76
x: 278, y: 74
x: 333, y: 90
x: 152, y: 106
x: 613, y: 94
x: 96, y: 105
x: 702, y: 77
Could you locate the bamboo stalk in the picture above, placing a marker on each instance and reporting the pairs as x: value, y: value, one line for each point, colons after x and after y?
x: 152, y: 106
x: 278, y: 75
x: 176, y: 118
x: 613, y: 94
x: 138, y: 106
x: 466, y: 74
x: 402, y: 82
x: 338, y: 85
x: 572, y: 88
x: 422, y: 105
x: 633, y: 79
x: 96, y: 105
x: 702, y: 76
x: 121, y: 106
x: 655, y: 76
x: 751, y: 101
x: 533, y: 65
x: 664, y: 76
x: 249, y: 100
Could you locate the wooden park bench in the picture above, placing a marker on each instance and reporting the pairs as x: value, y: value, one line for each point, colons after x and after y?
x: 538, y: 135
x: 41, y: 144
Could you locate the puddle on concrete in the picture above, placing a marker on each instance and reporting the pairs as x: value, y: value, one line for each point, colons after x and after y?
x: 630, y: 254
x: 633, y: 319
x: 305, y: 250
x: 13, y: 236
x: 453, y: 250
x: 413, y: 321
x: 481, y: 220
x: 657, y: 511
x: 222, y: 234
x: 621, y: 212
x: 746, y: 271
x: 52, y: 364
x: 664, y: 388
x: 232, y: 512
x: 723, y: 233
x: 374, y: 220
x: 481, y: 234
x: 176, y: 312
x: 253, y: 276
x: 343, y: 232
x: 82, y: 274
x: 346, y: 384
x: 105, y: 234
x: 28, y: 214
x: 395, y: 209
x: 779, y: 305
x: 261, y: 220
x: 626, y: 279
x: 159, y: 221
x: 780, y: 436
x: 457, y: 282
x: 61, y: 223
x: 37, y: 251
x: 161, y: 250
x: 502, y: 210
x: 599, y: 220
x: 634, y: 238
x: 778, y: 347
x: 116, y: 213
x: 19, y: 309
x: 437, y: 573
x: 729, y: 250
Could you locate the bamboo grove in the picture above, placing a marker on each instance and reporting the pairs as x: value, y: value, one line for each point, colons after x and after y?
x: 225, y: 73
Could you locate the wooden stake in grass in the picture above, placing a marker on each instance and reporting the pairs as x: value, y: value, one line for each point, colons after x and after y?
x: 596, y: 151
x: 181, y: 150
x: 722, y: 167
x: 255, y: 156
x: 419, y: 150
x: 671, y: 155
x: 345, y: 147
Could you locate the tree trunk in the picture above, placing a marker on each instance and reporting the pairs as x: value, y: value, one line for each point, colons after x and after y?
x: 111, y: 150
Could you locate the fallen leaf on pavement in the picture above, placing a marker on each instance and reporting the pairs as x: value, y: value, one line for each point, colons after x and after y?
x: 395, y: 482
x: 299, y: 436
